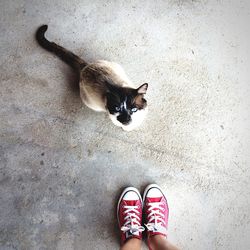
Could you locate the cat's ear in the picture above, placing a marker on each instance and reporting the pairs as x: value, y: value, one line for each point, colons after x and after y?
x: 142, y: 89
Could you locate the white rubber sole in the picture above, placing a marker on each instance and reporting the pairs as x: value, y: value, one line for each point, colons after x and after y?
x: 122, y: 195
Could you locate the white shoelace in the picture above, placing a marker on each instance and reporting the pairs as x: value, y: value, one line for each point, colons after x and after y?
x: 155, y: 218
x: 132, y: 220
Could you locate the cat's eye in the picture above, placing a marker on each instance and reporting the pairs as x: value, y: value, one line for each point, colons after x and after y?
x: 134, y: 109
x: 117, y: 108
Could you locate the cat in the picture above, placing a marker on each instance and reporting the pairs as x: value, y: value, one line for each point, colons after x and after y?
x: 104, y: 86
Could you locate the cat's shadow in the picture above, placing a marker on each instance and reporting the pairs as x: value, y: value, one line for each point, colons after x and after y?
x: 72, y: 105
x: 71, y: 101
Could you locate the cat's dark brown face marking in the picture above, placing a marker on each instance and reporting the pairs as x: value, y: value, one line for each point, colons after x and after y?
x: 140, y: 102
x: 124, y: 102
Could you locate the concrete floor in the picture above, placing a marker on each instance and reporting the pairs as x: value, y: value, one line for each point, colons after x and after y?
x: 63, y: 166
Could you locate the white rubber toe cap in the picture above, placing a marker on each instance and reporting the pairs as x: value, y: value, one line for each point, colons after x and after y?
x: 131, y: 195
x: 154, y: 192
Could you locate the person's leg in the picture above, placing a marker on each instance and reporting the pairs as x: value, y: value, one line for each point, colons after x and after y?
x: 156, y: 215
x: 129, y: 215
x: 159, y: 242
x: 131, y: 244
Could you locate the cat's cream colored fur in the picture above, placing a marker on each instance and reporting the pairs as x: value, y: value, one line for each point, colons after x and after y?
x: 93, y: 97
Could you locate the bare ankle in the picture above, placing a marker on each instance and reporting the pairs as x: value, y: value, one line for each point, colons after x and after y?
x: 131, y: 244
x: 160, y: 242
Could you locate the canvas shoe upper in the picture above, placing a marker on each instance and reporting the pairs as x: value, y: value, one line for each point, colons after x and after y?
x: 129, y: 214
x: 156, y: 211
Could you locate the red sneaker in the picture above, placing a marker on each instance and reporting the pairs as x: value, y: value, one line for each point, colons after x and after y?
x: 129, y: 214
x: 156, y: 211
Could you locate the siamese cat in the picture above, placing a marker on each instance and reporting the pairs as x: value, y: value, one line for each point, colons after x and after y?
x: 104, y: 86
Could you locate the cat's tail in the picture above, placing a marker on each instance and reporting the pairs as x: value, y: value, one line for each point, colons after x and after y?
x: 73, y: 60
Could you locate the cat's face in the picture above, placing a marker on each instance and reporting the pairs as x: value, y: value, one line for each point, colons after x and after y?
x: 127, y: 106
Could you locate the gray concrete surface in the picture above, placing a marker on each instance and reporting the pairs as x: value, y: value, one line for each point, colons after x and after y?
x: 63, y: 166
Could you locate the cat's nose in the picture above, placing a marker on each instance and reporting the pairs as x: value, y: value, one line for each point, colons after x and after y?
x: 124, y: 119
x: 126, y: 122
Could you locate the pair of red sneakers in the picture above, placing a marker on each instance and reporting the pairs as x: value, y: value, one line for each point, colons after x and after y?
x: 131, y: 208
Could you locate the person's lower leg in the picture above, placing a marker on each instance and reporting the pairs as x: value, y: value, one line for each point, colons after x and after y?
x: 159, y: 242
x: 131, y: 244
